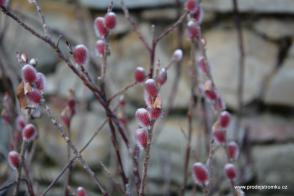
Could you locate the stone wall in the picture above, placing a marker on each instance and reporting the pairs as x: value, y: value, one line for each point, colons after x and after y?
x: 268, y: 124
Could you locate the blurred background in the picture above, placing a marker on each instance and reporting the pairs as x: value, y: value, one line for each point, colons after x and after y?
x: 267, y: 126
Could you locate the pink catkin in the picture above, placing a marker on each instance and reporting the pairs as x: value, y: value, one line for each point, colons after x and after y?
x: 151, y: 88
x: 29, y: 133
x: 200, y: 173
x: 80, y: 54
x: 142, y: 137
x: 140, y: 74
x: 100, y: 28
x: 230, y: 171
x: 81, y: 191
x: 14, y: 159
x: 110, y: 20
x: 29, y: 73
x: 143, y: 117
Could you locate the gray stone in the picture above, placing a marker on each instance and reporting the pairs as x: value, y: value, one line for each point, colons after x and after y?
x: 19, y: 40
x: 103, y: 4
x: 223, y: 55
x: 63, y: 80
x: 275, y: 28
x: 274, y: 166
x: 259, y: 6
x: 269, y: 128
x: 281, y: 89
x: 264, y: 6
x: 82, y: 128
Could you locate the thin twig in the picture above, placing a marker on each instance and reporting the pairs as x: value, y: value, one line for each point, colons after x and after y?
x: 241, y: 71
x: 39, y: 10
x: 134, y: 26
x: 172, y: 27
x: 146, y: 162
x: 193, y: 102
x: 59, y: 176
x: 85, y: 165
x: 122, y: 91
x: 19, y: 171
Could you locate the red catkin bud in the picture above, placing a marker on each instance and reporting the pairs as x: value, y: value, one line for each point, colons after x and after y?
x: 41, y: 81
x: 14, y: 159
x: 233, y: 150
x: 198, y: 14
x: 110, y: 20
x: 200, y: 173
x: 162, y: 76
x: 101, y: 47
x: 219, y: 135
x: 224, y: 119
x: 3, y: 3
x: 219, y: 104
x: 155, y: 113
x: 148, y: 99
x: 140, y: 74
x: 6, y: 116
x: 178, y: 55
x: 143, y: 117
x: 71, y: 104
x: 81, y: 191
x: 193, y: 29
x: 20, y: 123
x: 209, y: 91
x: 142, y: 137
x: 191, y: 5
x: 34, y: 96
x: 29, y: 73
x: 80, y: 54
x: 29, y: 133
x: 203, y: 66
x: 230, y: 171
x: 99, y: 26
x: 151, y: 88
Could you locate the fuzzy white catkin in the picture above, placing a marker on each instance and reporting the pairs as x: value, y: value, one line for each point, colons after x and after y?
x: 178, y: 55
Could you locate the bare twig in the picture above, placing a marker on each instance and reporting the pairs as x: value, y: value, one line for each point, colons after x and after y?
x: 241, y: 72
x: 122, y: 91
x: 39, y: 10
x: 134, y: 26
x: 74, y: 149
x: 172, y: 27
x: 146, y: 162
x: 59, y: 175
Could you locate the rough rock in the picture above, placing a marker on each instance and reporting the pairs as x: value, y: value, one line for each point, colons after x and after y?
x: 259, y: 6
x: 103, y: 4
x: 281, y: 89
x: 82, y: 128
x: 269, y: 128
x: 262, y: 6
x: 63, y: 80
x: 274, y: 166
x: 275, y: 28
x: 223, y: 55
